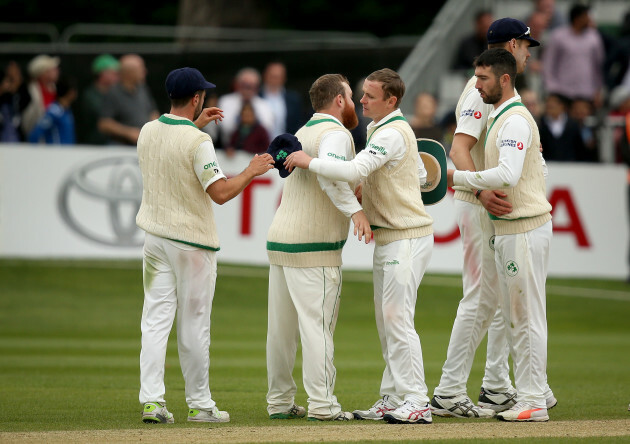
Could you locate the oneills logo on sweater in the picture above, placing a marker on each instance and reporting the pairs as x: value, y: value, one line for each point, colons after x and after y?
x: 394, y: 262
x: 375, y: 148
x: 336, y: 156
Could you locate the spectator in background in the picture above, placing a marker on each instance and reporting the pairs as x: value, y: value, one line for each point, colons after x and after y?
x: 423, y: 121
x: 105, y: 70
x: 249, y: 135
x: 14, y: 98
x: 285, y: 103
x: 560, y: 135
x: 538, y: 23
x: 128, y: 104
x: 620, y: 113
x: 448, y: 123
x: 582, y: 111
x: 553, y: 16
x: 57, y: 124
x: 530, y: 99
x: 246, y: 88
x: 474, y: 44
x: 617, y: 63
x: 43, y: 71
x: 573, y: 59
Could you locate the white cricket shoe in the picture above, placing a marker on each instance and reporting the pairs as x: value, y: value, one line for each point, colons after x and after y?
x: 156, y: 413
x: 377, y: 411
x: 522, y: 411
x: 409, y: 413
x: 497, y: 401
x: 341, y: 416
x: 214, y: 415
x: 551, y: 402
x: 459, y: 406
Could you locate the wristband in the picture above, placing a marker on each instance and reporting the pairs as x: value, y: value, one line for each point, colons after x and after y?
x: 477, y: 193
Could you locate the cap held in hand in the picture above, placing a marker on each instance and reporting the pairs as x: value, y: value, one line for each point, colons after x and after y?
x: 280, y: 148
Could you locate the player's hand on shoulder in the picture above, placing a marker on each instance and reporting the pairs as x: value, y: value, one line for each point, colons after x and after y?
x: 362, y: 228
x: 494, y: 202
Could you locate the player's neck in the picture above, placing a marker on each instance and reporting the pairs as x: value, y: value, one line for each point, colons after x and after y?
x: 184, y: 112
x: 504, y: 98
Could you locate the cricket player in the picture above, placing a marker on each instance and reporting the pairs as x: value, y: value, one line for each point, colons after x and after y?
x: 477, y: 311
x: 523, y: 236
x: 181, y: 178
x: 304, y: 245
x: 392, y: 173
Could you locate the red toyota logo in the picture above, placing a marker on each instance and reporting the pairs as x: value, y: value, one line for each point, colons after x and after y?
x: 519, y: 145
x: 477, y: 114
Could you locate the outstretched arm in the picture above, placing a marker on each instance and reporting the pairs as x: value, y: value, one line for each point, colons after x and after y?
x: 224, y: 190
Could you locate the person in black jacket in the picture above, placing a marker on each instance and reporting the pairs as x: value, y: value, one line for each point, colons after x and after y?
x: 560, y: 135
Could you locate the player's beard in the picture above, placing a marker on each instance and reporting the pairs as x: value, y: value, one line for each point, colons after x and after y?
x: 493, y: 96
x: 349, y: 117
x: 198, y: 110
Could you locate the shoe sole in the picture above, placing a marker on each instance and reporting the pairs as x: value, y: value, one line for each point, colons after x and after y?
x: 392, y: 420
x: 541, y: 419
x: 361, y: 418
x: 208, y: 420
x: 285, y: 416
x: 157, y: 419
x: 496, y: 407
x: 444, y: 413
x: 556, y: 403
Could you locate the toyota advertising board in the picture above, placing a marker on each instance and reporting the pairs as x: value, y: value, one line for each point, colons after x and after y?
x: 81, y: 202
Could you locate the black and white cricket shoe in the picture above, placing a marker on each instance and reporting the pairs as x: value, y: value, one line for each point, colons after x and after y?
x: 460, y: 406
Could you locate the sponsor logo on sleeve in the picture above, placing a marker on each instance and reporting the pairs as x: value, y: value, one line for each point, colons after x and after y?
x: 512, y: 143
x: 471, y: 113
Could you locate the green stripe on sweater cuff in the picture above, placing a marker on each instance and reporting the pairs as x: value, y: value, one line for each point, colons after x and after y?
x: 305, y: 248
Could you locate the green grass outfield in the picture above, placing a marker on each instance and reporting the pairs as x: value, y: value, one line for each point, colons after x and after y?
x: 70, y: 342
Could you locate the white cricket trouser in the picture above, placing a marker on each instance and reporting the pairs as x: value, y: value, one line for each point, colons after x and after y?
x: 479, y: 309
x: 179, y: 280
x: 522, y: 261
x: 303, y: 304
x: 398, y: 269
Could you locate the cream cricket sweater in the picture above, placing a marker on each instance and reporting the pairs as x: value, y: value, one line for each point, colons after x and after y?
x: 391, y: 196
x: 307, y: 229
x: 477, y: 154
x: 530, y: 208
x: 174, y: 205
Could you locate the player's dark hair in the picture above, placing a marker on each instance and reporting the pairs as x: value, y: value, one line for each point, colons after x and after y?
x: 393, y: 84
x: 325, y: 89
x: 182, y: 101
x: 500, y: 61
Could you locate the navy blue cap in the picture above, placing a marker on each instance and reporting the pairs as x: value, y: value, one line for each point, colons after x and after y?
x: 280, y: 148
x: 506, y: 29
x: 184, y: 82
